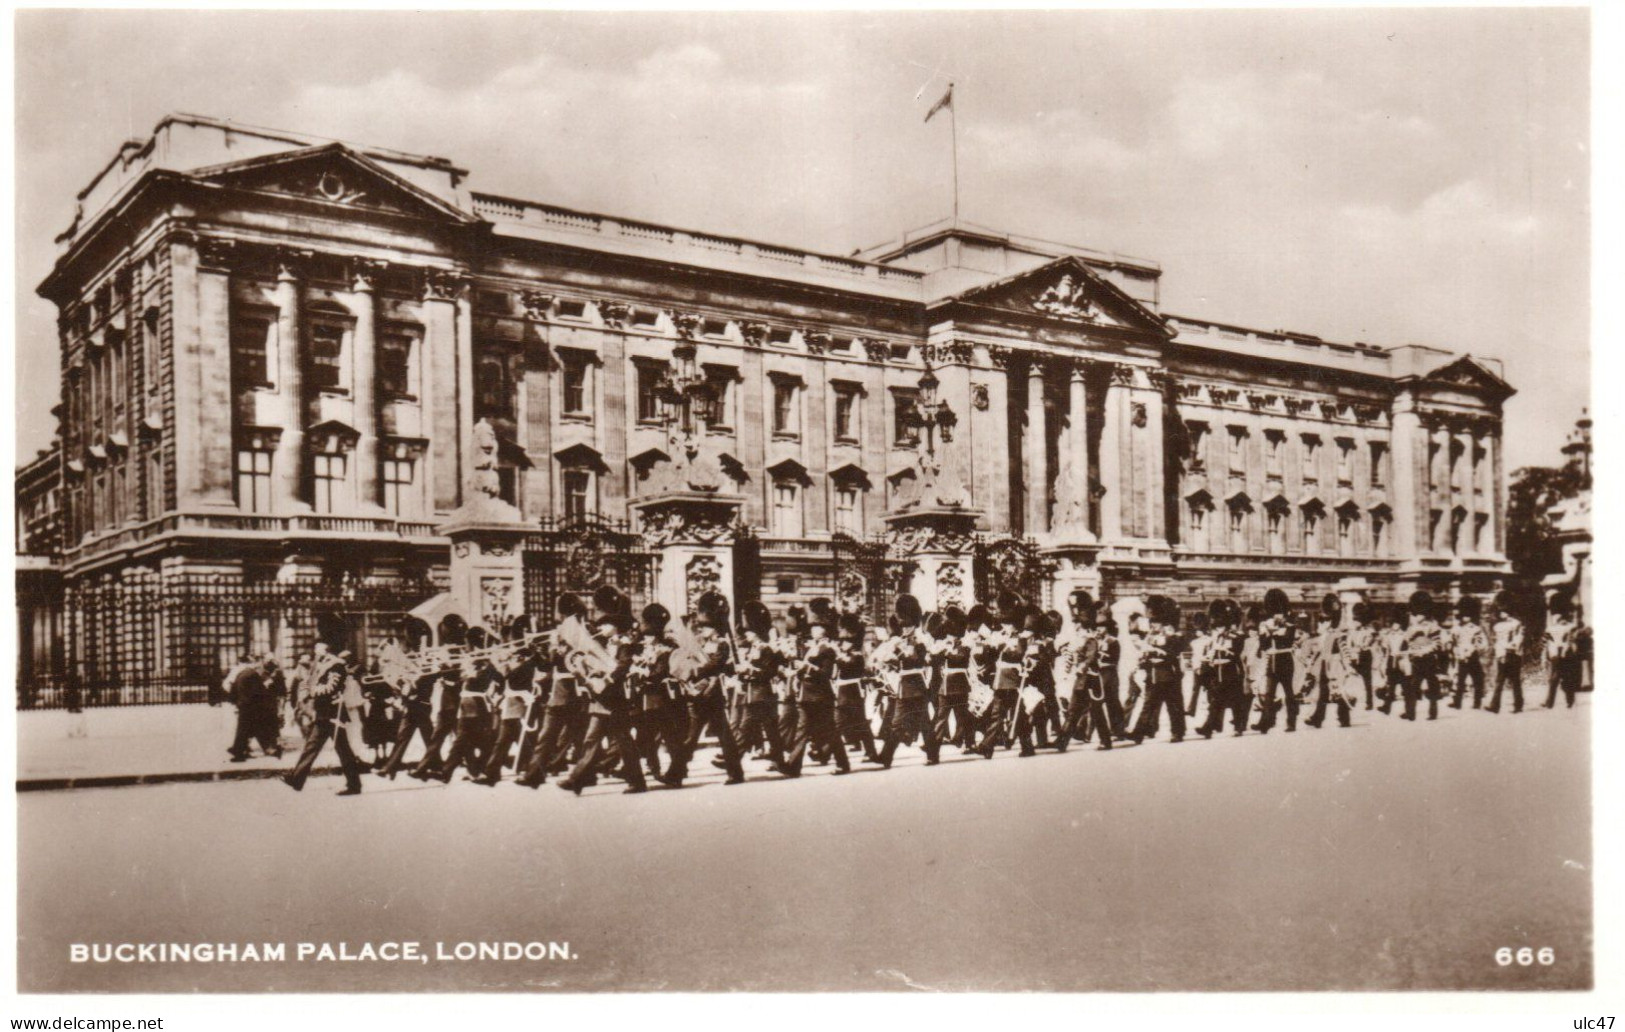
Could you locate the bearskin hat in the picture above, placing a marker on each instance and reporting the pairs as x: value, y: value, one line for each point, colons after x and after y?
x: 851, y: 626
x: 1421, y: 604
x: 934, y: 624
x: 796, y: 619
x: 1217, y: 612
x: 570, y: 605
x: 712, y: 610
x: 1470, y: 609
x: 1035, y: 622
x: 755, y: 618
x: 1232, y: 612
x: 1081, y: 599
x: 1009, y: 606
x: 608, y: 599
x: 1255, y: 614
x: 1503, y: 601
x: 1330, y: 605
x: 1276, y: 603
x: 1162, y: 609
x: 953, y: 622
x: 1361, y: 612
x: 978, y: 616
x: 821, y: 613
x: 1560, y: 605
x: 656, y: 616
x: 1054, y: 621
x: 1200, y: 621
x: 907, y: 608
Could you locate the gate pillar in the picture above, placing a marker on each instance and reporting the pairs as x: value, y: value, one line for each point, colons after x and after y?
x: 941, y: 543
x: 694, y: 532
x: 487, y: 566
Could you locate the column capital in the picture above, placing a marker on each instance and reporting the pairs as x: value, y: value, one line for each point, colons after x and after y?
x: 363, y: 273
x: 999, y: 355
x: 1122, y: 374
x: 614, y: 313
x: 217, y: 254
x: 291, y: 263
x: 444, y: 284
x: 537, y: 303
x: 877, y: 349
x: 953, y: 352
x: 685, y: 323
x: 754, y: 334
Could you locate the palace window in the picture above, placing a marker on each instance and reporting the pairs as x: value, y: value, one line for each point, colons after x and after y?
x: 786, y: 404
x: 150, y: 345
x: 495, y: 398
x: 253, y: 480
x: 1274, y: 448
x: 397, y: 363
x: 720, y: 413
x: 577, y: 485
x: 786, y: 508
x: 1240, y: 506
x: 1311, y: 458
x: 1312, y: 514
x: 398, y: 474
x: 846, y: 413
x: 1379, y: 462
x: 848, y: 510
x: 649, y: 374
x: 1435, y: 529
x: 327, y: 472
x: 155, y: 483
x: 1347, y: 519
x: 1379, y: 531
x: 576, y: 384
x: 1481, y: 526
x: 1238, y: 448
x: 905, y: 419
x: 1196, y: 433
x: 1345, y: 460
x: 250, y: 351
x: 326, y: 369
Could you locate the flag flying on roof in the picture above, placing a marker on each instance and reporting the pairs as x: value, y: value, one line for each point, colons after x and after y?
x: 946, y: 101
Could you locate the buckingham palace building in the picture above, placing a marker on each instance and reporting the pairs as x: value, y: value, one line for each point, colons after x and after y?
x: 286, y: 363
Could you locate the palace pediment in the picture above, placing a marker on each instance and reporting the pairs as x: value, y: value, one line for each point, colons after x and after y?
x: 334, y: 175
x: 1065, y: 291
x: 1467, y: 373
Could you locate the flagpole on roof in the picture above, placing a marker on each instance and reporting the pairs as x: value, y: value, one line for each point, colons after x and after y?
x: 947, y: 101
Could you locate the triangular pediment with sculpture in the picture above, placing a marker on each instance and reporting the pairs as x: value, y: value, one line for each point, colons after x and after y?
x: 1468, y: 373
x: 1066, y: 290
x: 334, y: 174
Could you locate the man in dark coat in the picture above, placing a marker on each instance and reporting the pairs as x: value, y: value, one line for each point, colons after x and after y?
x: 327, y: 694
x: 254, y: 692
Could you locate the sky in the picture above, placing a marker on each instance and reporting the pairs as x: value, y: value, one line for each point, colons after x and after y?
x: 1388, y: 176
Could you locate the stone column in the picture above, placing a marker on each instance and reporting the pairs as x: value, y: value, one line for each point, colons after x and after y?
x: 287, y: 467
x: 211, y: 479
x: 441, y: 414
x: 1114, y: 472
x: 363, y: 381
x: 1465, y: 484
x: 1155, y: 456
x: 1443, y: 495
x: 1405, y: 475
x: 1076, y: 454
x: 1034, y: 452
x: 1492, y: 494
x: 465, y: 387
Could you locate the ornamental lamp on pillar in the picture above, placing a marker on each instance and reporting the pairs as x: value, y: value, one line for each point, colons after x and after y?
x: 487, y: 537
x: 932, y: 525
x: 685, y: 512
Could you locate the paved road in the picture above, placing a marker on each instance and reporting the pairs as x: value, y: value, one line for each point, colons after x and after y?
x: 1390, y: 855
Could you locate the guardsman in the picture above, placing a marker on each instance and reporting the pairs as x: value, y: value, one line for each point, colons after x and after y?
x: 954, y: 652
x: 851, y: 680
x: 708, y: 710
x: 815, y: 696
x: 417, y: 717
x: 1337, y: 663
x: 649, y: 687
x: 609, y: 727
x: 476, y: 707
x: 326, y: 687
x: 1228, y: 689
x: 1159, y: 658
x: 1076, y: 650
x: 1045, y: 713
x: 910, y: 713
x: 1393, y: 647
x: 1277, y: 641
x: 791, y: 641
x: 518, y: 691
x: 1469, y: 645
x: 757, y: 665
x: 1561, y: 641
x: 1421, y: 655
x: 1197, y: 669
x: 564, y: 699
x: 1506, y: 639
x: 1005, y: 719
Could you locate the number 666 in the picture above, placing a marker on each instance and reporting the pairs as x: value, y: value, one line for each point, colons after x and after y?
x: 1545, y: 956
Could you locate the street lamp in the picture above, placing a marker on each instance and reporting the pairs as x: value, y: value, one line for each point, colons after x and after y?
x: 931, y: 413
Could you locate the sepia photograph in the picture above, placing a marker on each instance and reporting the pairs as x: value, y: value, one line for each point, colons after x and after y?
x: 1075, y: 501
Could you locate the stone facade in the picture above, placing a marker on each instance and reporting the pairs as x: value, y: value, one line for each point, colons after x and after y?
x: 274, y: 352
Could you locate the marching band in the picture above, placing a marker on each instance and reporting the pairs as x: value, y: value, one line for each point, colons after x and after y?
x: 602, y: 694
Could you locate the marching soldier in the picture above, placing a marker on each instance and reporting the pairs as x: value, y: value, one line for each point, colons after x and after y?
x: 791, y: 643
x: 326, y: 689
x: 609, y: 710
x: 815, y: 696
x: 417, y: 717
x: 954, y: 653
x: 1228, y: 691
x: 1337, y: 664
x: 1562, y: 651
x: 519, y: 684
x: 476, y: 706
x: 1421, y: 653
x: 649, y: 686
x: 1277, y: 638
x: 1468, y: 644
x: 1392, y: 638
x: 851, y: 677
x: 910, y: 715
x: 1159, y: 658
x: 1078, y: 657
x: 759, y: 668
x: 707, y: 708
x: 547, y: 756
x: 1507, y: 642
x: 1005, y: 719
x: 1197, y: 668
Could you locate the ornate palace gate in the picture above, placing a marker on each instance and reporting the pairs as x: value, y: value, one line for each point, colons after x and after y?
x: 1007, y: 563
x: 578, y: 555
